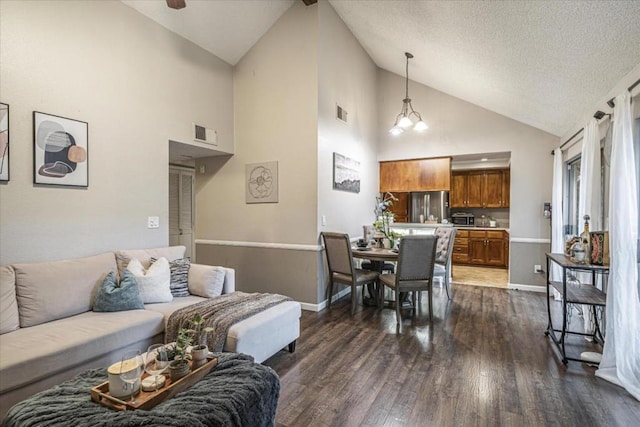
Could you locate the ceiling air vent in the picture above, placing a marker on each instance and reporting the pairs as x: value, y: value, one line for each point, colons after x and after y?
x: 341, y: 114
x: 202, y: 134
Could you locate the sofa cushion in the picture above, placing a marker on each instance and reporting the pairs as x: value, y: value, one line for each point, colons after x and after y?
x: 171, y: 253
x: 264, y: 333
x: 179, y: 276
x: 29, y: 354
x: 166, y: 308
x: 53, y: 290
x: 9, y: 319
x: 114, y: 296
x: 206, y: 280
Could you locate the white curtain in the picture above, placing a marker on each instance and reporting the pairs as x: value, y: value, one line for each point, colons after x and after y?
x: 590, y: 199
x: 590, y: 178
x: 557, y: 216
x: 621, y: 356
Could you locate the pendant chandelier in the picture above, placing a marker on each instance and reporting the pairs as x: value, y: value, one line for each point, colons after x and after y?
x: 403, y: 120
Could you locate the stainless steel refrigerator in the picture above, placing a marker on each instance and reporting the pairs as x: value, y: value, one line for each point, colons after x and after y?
x: 429, y: 205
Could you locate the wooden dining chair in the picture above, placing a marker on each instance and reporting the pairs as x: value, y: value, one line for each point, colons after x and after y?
x: 341, y: 269
x: 444, y: 249
x: 414, y: 272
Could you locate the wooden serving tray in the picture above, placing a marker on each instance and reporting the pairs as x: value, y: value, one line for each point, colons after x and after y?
x: 148, y: 399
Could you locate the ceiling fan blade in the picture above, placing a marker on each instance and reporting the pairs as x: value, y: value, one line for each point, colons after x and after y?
x: 176, y: 4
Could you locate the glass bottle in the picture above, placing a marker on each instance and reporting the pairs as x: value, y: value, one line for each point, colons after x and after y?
x: 585, y: 239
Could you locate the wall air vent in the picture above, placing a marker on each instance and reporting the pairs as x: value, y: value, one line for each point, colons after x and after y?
x: 341, y: 114
x: 202, y: 134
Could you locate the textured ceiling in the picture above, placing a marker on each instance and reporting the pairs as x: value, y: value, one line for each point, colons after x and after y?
x: 543, y: 63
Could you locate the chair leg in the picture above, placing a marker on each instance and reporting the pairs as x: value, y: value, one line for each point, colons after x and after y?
x: 354, y: 298
x: 430, y: 300
x: 414, y: 297
x: 330, y: 296
x: 447, y: 285
x: 380, y: 294
x: 398, y: 304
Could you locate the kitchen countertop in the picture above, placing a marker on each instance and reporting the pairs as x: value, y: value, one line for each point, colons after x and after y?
x: 419, y: 225
x: 484, y: 228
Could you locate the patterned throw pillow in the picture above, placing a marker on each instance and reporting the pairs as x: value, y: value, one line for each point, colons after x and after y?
x: 114, y: 296
x: 179, y: 276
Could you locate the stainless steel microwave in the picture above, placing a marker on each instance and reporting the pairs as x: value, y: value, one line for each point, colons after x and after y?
x: 463, y: 219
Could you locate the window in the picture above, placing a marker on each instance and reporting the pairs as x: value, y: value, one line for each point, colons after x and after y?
x: 572, y: 198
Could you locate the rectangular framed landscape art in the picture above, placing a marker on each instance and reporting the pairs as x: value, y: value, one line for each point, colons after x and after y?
x: 60, y: 151
x: 346, y: 174
x: 4, y: 142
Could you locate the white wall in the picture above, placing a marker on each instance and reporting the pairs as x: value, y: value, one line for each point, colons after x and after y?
x: 457, y: 127
x: 346, y: 76
x: 137, y: 85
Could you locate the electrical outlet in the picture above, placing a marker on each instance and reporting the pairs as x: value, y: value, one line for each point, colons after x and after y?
x: 537, y: 268
x: 153, y: 222
x: 323, y: 220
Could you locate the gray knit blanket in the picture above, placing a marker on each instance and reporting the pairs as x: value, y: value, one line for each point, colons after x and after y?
x: 237, y: 392
x: 221, y: 313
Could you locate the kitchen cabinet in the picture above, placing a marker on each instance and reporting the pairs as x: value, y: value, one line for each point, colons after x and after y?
x: 415, y: 175
x: 400, y: 207
x: 460, y: 254
x: 481, y: 247
x: 480, y: 189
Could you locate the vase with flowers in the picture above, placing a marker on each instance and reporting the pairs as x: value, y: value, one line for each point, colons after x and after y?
x: 384, y: 219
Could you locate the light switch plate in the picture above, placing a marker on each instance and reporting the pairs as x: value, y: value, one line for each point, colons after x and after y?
x: 153, y: 222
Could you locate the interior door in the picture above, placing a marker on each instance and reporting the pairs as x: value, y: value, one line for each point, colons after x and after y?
x: 181, y: 202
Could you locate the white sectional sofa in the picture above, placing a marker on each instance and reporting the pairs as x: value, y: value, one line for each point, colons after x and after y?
x: 49, y: 332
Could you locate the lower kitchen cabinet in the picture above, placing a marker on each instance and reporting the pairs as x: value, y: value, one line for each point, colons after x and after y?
x: 481, y: 247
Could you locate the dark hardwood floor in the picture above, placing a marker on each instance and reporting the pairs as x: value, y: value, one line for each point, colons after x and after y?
x: 483, y: 361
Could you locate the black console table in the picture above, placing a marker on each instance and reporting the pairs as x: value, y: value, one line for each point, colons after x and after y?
x: 584, y: 294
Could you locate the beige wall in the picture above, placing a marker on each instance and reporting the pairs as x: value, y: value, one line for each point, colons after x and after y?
x: 457, y: 127
x: 137, y: 85
x: 276, y: 119
x: 346, y: 76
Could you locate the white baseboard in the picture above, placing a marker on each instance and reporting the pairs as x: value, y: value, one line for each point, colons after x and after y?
x: 528, y: 288
x: 323, y: 304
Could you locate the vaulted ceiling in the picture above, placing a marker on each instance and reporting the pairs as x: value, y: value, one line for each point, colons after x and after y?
x: 543, y: 63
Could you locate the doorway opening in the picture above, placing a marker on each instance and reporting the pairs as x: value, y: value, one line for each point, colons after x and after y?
x: 181, y: 207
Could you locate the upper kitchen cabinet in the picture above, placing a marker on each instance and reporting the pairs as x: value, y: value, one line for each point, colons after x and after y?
x: 416, y: 175
x: 480, y: 189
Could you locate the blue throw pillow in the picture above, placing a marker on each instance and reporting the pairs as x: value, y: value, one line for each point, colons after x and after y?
x: 114, y: 296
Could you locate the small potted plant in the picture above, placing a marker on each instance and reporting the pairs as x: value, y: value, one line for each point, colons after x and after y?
x: 179, y: 367
x: 199, y: 332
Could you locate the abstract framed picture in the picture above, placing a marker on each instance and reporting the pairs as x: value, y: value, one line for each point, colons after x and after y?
x: 60, y: 151
x: 346, y: 174
x: 4, y: 142
x: 261, y: 182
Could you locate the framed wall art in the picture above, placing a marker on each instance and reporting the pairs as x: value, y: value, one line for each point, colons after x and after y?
x: 4, y: 142
x: 60, y: 151
x: 346, y: 174
x: 261, y: 182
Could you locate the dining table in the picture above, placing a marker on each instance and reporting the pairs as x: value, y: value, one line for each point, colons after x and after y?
x: 377, y: 257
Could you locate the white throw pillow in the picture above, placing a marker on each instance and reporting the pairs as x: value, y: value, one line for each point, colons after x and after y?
x: 154, y: 283
x: 206, y: 281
